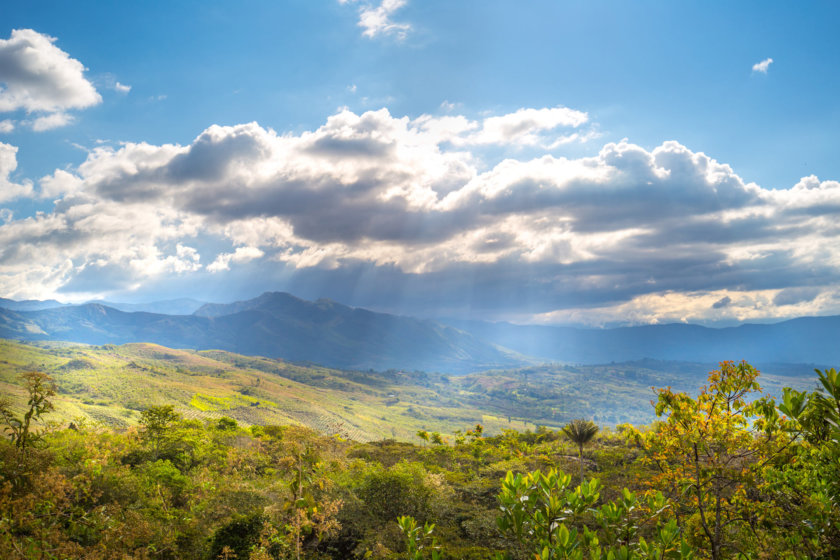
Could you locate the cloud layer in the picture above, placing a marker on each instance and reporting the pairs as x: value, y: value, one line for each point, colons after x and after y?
x: 415, y: 214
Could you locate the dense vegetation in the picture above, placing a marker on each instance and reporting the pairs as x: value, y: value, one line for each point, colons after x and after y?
x: 725, y: 474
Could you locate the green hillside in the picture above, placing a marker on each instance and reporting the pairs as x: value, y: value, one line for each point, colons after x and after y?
x: 113, y: 384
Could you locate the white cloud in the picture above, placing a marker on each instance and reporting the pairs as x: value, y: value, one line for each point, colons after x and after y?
x: 376, y: 19
x: 762, y: 66
x: 60, y: 183
x: 53, y: 120
x: 665, y: 233
x: 241, y: 255
x: 694, y: 306
x: 185, y: 259
x: 7, y: 125
x: 525, y: 126
x: 37, y: 76
x: 121, y: 88
x: 8, y: 163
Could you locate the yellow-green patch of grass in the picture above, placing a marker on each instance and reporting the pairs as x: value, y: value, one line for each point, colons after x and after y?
x: 210, y: 403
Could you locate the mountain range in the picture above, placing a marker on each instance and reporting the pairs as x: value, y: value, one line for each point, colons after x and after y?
x: 275, y: 325
x: 279, y: 325
x: 801, y: 340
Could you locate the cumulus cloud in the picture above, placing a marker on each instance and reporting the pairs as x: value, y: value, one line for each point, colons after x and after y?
x: 38, y: 77
x: 415, y: 208
x: 376, y: 20
x: 60, y: 183
x: 53, y: 120
x: 763, y: 66
x: 9, y: 190
x: 527, y: 127
x: 121, y: 88
x: 7, y: 125
x: 241, y: 255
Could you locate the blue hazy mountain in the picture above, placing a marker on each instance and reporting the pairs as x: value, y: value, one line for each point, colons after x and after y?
x: 29, y: 304
x: 179, y: 306
x: 325, y: 332
x: 274, y: 325
x: 802, y: 340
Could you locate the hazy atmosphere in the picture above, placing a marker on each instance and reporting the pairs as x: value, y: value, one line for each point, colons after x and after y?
x: 585, y: 163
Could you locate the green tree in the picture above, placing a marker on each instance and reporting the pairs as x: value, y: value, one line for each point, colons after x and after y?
x: 424, y: 435
x: 805, y: 480
x: 709, y: 454
x: 306, y: 513
x: 580, y: 432
x: 40, y: 389
x: 389, y: 494
x: 157, y: 420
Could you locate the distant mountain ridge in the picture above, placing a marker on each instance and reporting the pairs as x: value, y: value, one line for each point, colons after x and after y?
x: 179, y: 306
x: 275, y: 325
x: 801, y: 340
x: 280, y: 325
x: 29, y: 304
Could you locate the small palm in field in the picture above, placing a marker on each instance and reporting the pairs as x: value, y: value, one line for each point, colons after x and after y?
x: 580, y: 432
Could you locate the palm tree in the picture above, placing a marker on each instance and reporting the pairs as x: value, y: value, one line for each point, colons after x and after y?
x: 581, y: 432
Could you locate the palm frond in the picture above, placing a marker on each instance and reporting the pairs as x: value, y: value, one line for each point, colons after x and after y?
x: 580, y: 431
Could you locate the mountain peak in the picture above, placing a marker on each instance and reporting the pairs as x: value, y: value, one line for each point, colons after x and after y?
x: 267, y: 301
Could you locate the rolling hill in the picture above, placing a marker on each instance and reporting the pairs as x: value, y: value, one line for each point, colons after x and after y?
x: 111, y: 384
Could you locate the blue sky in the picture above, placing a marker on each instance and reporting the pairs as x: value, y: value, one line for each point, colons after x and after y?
x: 575, y: 162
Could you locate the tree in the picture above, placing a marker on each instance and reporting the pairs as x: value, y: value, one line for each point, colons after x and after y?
x: 805, y: 480
x: 580, y: 432
x: 157, y: 420
x: 424, y: 435
x: 41, y: 389
x: 398, y: 491
x: 167, y: 438
x: 306, y: 512
x: 710, y: 458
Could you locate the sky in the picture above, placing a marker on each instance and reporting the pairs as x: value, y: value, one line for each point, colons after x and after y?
x: 586, y: 163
